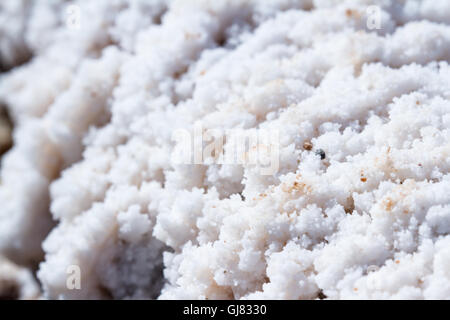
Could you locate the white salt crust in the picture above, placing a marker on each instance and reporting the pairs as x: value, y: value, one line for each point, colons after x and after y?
x: 95, y: 109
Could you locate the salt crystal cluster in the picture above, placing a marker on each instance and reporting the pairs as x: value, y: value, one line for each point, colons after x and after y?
x: 91, y: 181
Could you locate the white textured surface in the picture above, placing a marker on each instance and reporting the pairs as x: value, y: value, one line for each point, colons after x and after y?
x: 96, y: 107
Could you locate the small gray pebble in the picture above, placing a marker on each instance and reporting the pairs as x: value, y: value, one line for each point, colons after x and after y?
x: 321, y: 153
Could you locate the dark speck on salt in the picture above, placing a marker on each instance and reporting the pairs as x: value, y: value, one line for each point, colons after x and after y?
x: 321, y: 153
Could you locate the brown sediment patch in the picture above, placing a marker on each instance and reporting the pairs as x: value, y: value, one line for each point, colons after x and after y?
x: 9, y: 290
x: 388, y: 204
x: 6, y: 127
